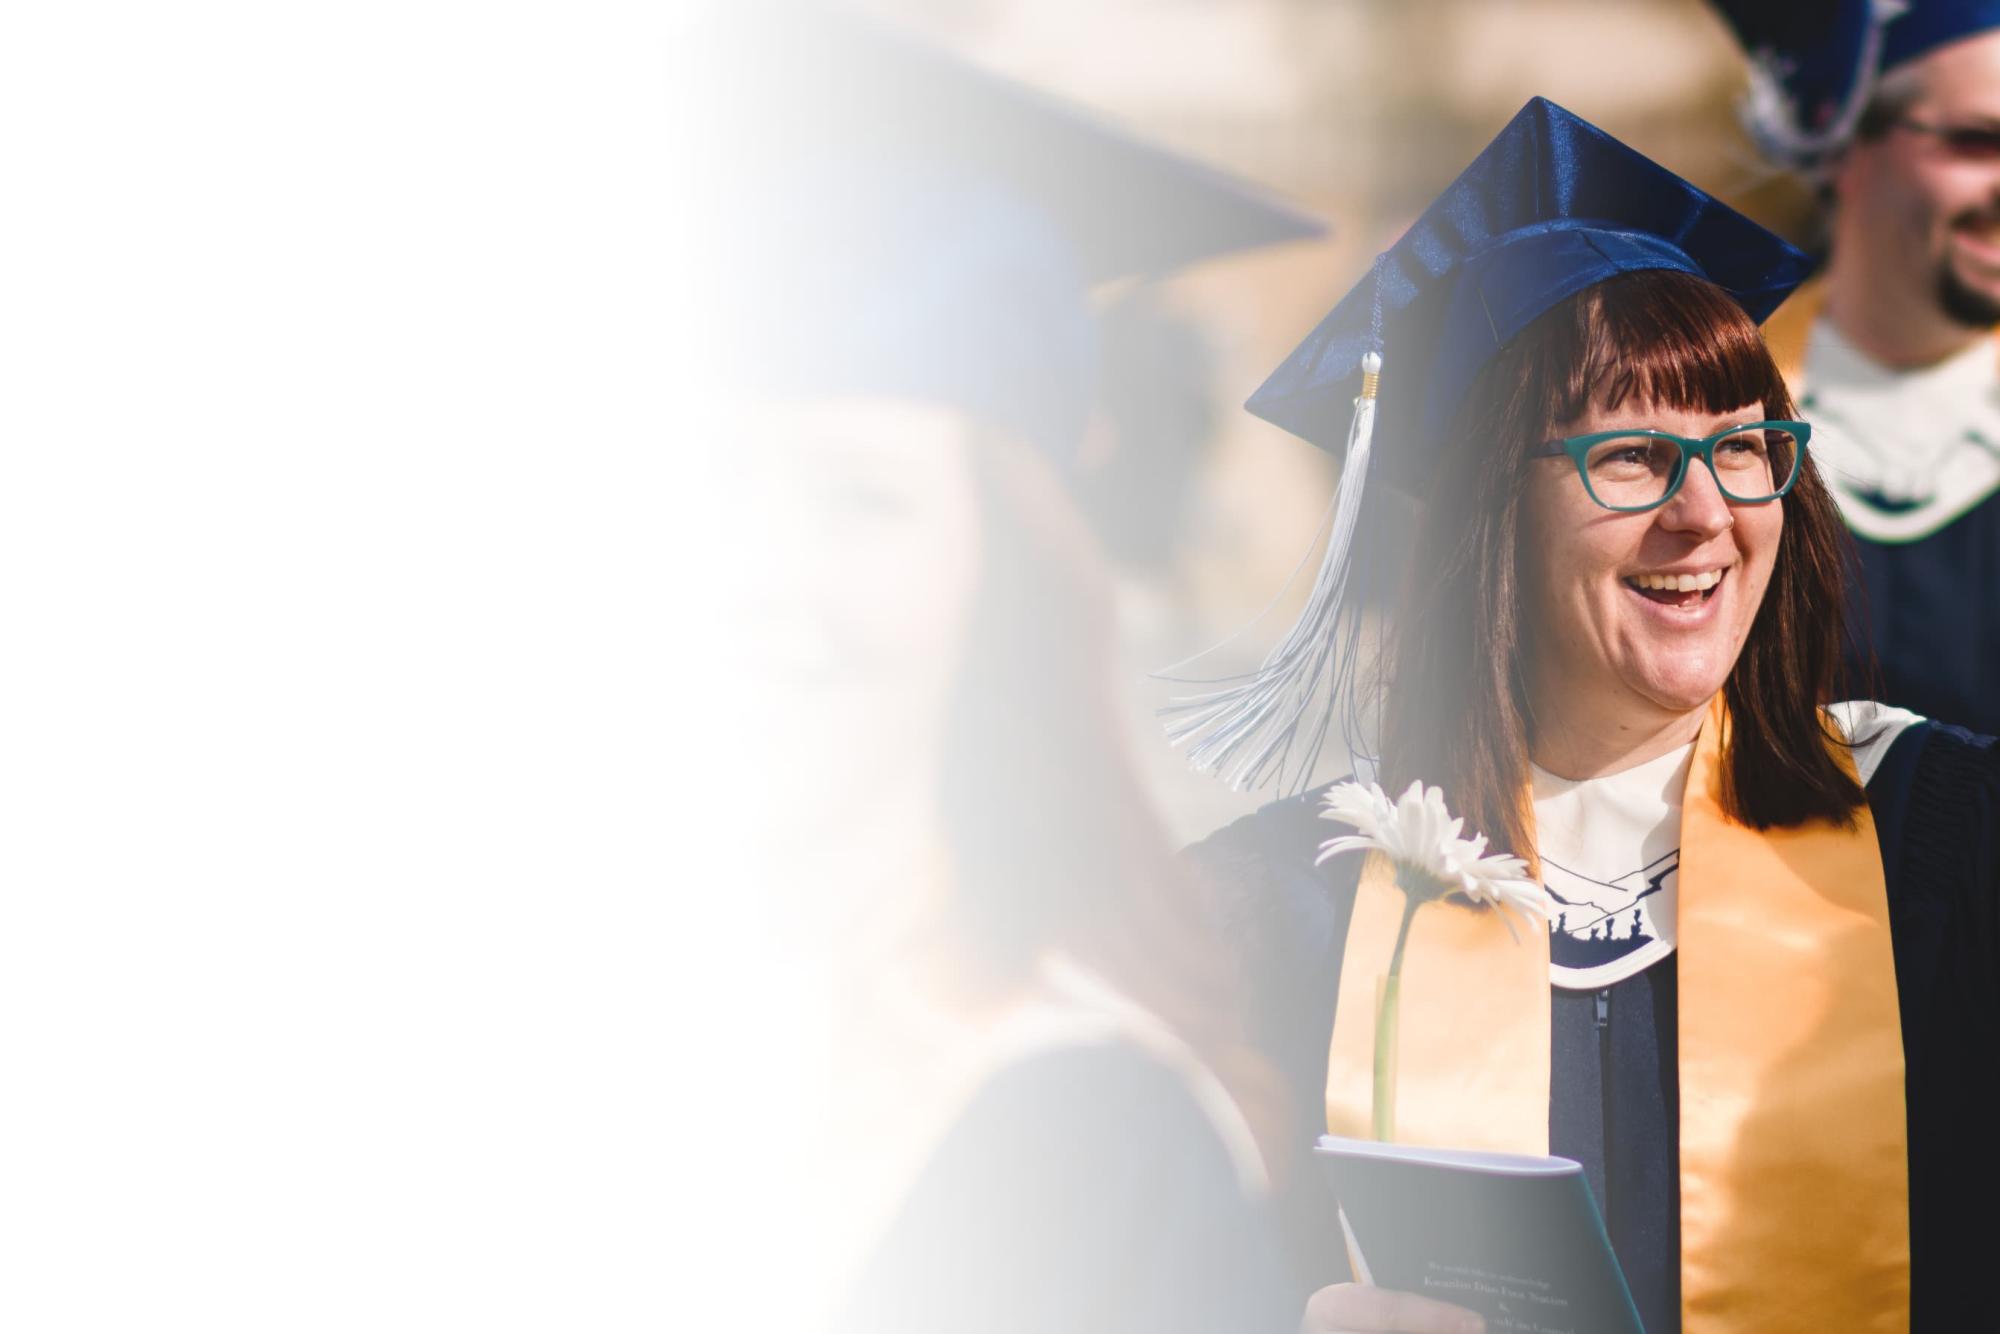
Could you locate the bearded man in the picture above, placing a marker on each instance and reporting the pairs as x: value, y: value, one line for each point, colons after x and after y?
x: 1894, y: 109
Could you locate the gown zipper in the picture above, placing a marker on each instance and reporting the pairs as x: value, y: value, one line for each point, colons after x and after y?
x: 1603, y: 1023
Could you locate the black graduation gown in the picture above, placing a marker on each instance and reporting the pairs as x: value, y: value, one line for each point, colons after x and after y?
x: 1930, y: 612
x: 1614, y: 1104
x: 1083, y: 1191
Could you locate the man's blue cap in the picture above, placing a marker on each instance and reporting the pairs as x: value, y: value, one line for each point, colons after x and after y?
x: 1815, y: 62
x: 1926, y: 25
x: 913, y: 226
x: 1552, y: 206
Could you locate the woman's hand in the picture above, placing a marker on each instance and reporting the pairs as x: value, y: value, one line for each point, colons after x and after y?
x: 1353, y: 1308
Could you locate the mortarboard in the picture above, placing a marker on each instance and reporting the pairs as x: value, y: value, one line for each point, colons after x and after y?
x: 1814, y: 65
x: 1925, y: 25
x: 911, y: 224
x: 1552, y: 206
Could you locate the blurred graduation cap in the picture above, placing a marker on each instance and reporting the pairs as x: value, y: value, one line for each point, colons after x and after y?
x: 1552, y: 206
x: 906, y: 223
x: 1814, y: 63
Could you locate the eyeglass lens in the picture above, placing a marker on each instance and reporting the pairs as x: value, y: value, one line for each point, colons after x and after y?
x: 1973, y: 143
x: 1639, y: 470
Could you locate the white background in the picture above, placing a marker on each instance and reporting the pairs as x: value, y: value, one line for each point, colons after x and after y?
x: 351, y: 911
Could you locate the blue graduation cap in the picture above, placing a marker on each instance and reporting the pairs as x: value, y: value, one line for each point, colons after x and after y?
x: 910, y: 224
x: 1552, y: 206
x: 1917, y: 27
x: 1814, y: 63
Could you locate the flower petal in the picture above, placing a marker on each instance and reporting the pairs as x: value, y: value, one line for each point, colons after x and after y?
x: 1364, y: 807
x: 1333, y: 847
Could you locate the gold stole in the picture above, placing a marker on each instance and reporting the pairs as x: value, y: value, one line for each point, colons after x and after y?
x: 1786, y: 332
x: 1794, y: 1154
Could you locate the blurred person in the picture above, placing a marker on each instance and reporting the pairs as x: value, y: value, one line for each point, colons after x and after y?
x: 1763, y: 1014
x: 1021, y: 1098
x: 1895, y: 110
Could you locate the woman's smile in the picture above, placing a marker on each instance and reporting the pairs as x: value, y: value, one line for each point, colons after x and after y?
x: 1682, y: 597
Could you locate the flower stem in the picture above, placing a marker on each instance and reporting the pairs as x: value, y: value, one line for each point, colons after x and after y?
x: 1387, y: 1006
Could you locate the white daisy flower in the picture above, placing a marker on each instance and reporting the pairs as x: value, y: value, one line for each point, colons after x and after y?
x: 1421, y: 838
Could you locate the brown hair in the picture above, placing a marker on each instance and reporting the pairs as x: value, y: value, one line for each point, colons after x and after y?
x: 1455, y: 706
x: 1054, y: 842
x: 1893, y: 96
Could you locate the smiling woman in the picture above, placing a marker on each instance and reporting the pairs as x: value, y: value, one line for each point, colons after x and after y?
x: 1767, y: 990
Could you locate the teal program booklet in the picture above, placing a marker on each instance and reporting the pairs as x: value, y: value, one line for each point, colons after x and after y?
x: 1514, y: 1237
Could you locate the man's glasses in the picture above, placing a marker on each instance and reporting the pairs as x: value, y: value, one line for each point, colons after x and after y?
x: 1971, y: 143
x: 1631, y: 471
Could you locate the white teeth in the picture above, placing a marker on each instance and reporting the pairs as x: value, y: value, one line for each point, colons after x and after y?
x: 1677, y: 583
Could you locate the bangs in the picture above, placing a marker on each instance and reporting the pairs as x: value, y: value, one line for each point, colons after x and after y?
x: 1662, y: 338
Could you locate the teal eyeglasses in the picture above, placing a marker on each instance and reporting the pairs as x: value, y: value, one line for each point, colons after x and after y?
x: 1632, y: 471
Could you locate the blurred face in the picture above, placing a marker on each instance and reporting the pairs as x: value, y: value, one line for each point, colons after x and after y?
x: 1640, y: 617
x: 1923, y: 200
x: 864, y: 545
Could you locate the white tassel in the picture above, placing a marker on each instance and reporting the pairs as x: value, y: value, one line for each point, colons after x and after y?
x: 1774, y: 122
x: 1248, y: 732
